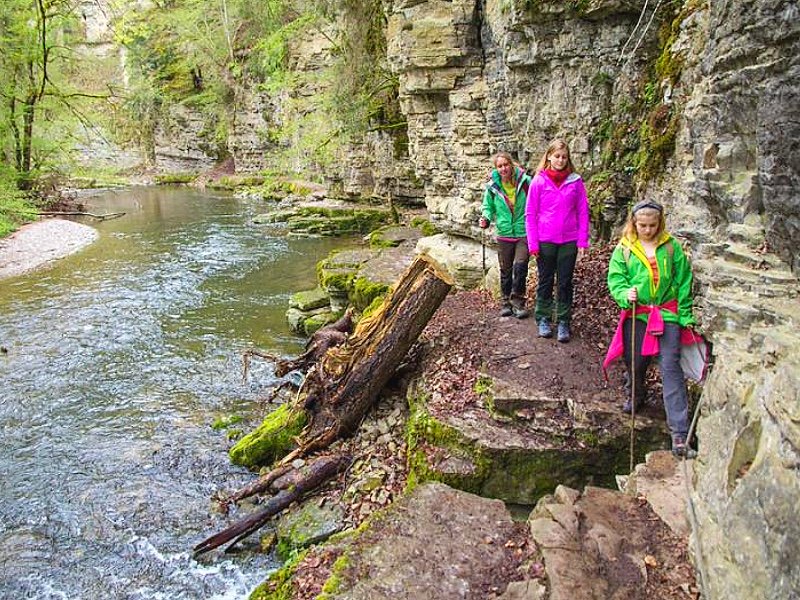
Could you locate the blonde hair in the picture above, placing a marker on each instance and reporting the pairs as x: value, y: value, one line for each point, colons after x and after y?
x: 644, y: 208
x: 556, y: 144
x: 505, y: 155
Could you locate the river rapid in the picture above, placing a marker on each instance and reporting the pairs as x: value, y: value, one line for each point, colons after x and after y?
x: 114, y: 364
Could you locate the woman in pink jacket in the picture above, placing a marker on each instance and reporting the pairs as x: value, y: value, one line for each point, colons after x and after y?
x: 557, y: 226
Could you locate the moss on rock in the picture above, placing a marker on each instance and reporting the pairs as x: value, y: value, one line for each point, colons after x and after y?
x: 365, y: 292
x: 272, y: 440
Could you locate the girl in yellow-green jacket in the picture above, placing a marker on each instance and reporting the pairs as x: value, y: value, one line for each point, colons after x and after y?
x: 649, y: 275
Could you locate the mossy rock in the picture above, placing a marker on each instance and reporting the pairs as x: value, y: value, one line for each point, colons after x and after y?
x: 310, y: 299
x: 332, y: 221
x: 391, y: 236
x: 365, y: 292
x: 424, y: 226
x: 279, y: 584
x: 272, y: 440
x: 432, y: 444
x: 517, y: 461
x: 338, y: 270
x: 316, y: 322
x: 309, y: 524
x: 175, y: 178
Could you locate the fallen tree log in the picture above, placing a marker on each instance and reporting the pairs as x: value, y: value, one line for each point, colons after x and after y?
x: 312, y: 476
x: 340, y: 388
x: 353, y: 374
x: 79, y: 213
x: 344, y: 382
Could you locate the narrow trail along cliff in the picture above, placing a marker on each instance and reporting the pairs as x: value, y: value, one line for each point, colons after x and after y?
x: 414, y: 528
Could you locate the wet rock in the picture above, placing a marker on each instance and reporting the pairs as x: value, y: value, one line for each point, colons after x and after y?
x: 309, y: 524
x: 309, y: 300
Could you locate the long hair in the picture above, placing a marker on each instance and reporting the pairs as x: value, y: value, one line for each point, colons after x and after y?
x: 507, y: 156
x: 514, y: 164
x: 556, y: 144
x: 644, y: 208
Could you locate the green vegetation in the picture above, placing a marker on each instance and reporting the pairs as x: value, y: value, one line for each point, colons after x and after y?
x: 16, y: 208
x: 48, y: 90
x: 638, y: 137
x: 224, y: 422
x: 175, y: 178
x: 272, y: 440
x: 365, y: 292
x: 279, y: 584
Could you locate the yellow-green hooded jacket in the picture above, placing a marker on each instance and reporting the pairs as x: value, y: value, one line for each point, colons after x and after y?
x: 629, y: 267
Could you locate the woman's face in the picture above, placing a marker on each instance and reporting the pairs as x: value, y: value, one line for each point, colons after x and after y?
x: 558, y: 159
x: 504, y: 167
x: 647, y: 225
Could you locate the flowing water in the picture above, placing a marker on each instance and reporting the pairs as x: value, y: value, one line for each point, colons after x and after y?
x: 115, y: 362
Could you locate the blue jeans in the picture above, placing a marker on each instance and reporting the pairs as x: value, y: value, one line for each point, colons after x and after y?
x: 676, y: 402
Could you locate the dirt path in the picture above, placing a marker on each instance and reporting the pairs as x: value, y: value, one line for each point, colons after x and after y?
x: 38, y: 244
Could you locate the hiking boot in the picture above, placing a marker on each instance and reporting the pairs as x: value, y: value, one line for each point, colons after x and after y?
x: 680, y: 449
x: 563, y: 332
x: 506, y: 310
x: 545, y: 330
x: 626, y: 407
x: 521, y: 313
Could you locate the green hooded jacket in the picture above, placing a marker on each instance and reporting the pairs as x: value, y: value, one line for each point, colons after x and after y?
x: 496, y: 206
x: 629, y: 267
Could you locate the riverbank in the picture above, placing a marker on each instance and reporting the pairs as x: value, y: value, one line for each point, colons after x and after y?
x: 38, y: 244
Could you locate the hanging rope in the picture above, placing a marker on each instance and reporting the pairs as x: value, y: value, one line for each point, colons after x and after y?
x: 630, y: 37
x: 641, y: 37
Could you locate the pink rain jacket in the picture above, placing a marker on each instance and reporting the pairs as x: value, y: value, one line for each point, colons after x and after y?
x: 557, y: 215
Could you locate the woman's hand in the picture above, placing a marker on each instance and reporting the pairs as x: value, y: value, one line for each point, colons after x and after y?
x: 633, y: 295
x: 581, y: 253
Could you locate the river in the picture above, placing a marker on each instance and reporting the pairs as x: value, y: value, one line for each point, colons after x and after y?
x: 114, y: 364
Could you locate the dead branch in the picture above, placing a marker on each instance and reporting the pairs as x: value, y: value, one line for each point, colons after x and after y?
x: 77, y: 213
x: 314, y: 474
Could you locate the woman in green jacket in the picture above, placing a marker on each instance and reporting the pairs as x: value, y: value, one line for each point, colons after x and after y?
x: 504, y: 205
x: 649, y: 275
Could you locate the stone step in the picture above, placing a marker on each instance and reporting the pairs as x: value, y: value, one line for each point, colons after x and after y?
x: 661, y: 481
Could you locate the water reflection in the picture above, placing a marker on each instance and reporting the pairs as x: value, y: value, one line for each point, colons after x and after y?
x: 119, y: 358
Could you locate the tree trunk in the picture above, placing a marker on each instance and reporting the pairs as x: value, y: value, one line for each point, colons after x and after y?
x: 353, y: 374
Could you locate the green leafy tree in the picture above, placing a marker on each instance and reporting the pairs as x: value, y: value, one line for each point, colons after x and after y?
x: 35, y: 67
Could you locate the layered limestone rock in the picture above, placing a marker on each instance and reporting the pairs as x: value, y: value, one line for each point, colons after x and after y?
x: 475, y: 78
x: 732, y: 189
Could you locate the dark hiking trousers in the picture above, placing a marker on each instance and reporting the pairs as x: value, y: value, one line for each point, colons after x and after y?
x: 555, y: 263
x: 513, y: 259
x: 676, y: 402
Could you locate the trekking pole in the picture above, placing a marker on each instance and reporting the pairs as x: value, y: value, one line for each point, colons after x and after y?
x: 633, y: 380
x: 483, y: 250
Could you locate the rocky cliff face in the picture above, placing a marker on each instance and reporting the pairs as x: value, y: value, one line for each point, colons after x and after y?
x: 478, y: 77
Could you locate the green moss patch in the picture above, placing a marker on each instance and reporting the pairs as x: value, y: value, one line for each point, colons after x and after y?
x: 310, y: 299
x: 272, y: 440
x: 175, y: 178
